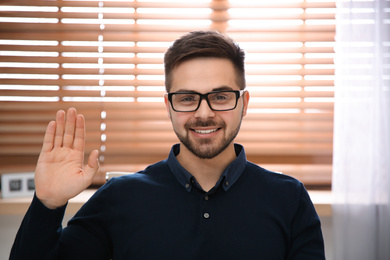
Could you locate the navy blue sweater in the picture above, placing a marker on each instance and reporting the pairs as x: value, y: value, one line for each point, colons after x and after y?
x: 162, y: 213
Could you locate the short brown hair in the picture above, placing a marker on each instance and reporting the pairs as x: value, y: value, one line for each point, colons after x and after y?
x: 204, y: 44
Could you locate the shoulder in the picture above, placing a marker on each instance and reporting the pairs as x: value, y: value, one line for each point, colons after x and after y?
x: 151, y: 175
x: 153, y: 179
x: 279, y: 190
x: 271, y: 177
x: 277, y: 186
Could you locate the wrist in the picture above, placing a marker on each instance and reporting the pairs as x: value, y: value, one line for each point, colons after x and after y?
x: 51, y: 203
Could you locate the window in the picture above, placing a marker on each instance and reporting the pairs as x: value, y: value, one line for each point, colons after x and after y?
x: 106, y: 59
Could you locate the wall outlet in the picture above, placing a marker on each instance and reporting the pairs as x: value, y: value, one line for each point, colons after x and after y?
x: 17, y: 185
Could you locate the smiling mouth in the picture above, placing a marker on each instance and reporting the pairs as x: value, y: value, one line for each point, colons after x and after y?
x: 205, y: 131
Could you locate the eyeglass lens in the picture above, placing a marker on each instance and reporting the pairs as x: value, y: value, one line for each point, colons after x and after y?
x: 223, y: 100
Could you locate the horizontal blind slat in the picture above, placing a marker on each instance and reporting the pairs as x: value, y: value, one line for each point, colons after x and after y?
x: 291, y: 108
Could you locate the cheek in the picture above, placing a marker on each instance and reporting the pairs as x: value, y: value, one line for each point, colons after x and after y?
x: 232, y: 117
x: 234, y: 120
x: 178, y: 120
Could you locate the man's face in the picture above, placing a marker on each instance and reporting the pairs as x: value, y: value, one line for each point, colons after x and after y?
x: 206, y: 133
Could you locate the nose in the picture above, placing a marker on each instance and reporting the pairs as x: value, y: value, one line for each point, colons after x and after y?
x: 204, y: 111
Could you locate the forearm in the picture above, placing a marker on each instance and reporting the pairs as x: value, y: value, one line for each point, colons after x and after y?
x: 39, y: 234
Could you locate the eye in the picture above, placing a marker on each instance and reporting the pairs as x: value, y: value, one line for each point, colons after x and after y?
x: 221, y: 97
x: 187, y: 98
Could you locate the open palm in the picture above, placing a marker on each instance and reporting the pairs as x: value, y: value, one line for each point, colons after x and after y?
x: 60, y: 173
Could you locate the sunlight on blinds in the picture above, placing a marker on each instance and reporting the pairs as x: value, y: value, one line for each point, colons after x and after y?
x: 106, y: 59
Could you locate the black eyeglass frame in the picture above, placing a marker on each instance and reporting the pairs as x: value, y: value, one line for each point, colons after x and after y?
x: 238, y: 93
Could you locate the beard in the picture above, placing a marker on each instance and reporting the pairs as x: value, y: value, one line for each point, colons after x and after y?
x: 204, y: 148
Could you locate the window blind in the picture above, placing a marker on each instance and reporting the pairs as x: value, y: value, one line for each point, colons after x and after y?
x: 106, y: 59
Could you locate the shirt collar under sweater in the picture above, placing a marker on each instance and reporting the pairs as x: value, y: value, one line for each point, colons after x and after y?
x: 228, y: 177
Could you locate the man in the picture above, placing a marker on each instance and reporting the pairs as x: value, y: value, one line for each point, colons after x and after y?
x: 206, y: 201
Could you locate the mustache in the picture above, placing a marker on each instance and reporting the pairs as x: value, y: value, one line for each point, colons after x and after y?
x: 203, y: 123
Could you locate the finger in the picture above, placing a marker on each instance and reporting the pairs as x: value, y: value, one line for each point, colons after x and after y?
x: 93, y: 164
x: 70, y: 127
x: 79, y: 137
x: 60, y: 121
x: 48, y: 140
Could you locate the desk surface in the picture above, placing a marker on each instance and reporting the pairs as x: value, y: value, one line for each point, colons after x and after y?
x: 18, y: 206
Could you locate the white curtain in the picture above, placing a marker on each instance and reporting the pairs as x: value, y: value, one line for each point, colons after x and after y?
x: 361, y: 160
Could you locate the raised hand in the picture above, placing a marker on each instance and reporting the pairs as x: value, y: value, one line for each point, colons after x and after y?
x: 60, y: 173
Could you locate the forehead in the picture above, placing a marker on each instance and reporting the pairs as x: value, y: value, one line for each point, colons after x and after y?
x: 204, y: 75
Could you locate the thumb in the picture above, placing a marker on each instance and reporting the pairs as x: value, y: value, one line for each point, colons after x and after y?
x: 93, y: 164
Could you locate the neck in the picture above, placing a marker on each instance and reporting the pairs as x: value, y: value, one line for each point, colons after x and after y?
x: 206, y: 171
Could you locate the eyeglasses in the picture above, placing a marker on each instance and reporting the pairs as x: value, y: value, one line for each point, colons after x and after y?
x: 217, y: 100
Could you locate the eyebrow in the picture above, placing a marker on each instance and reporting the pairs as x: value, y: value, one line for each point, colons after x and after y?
x: 221, y: 88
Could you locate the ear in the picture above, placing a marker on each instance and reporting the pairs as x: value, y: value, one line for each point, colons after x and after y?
x: 245, y: 98
x: 167, y: 105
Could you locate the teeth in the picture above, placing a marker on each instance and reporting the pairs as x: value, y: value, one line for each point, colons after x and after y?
x: 205, y: 131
